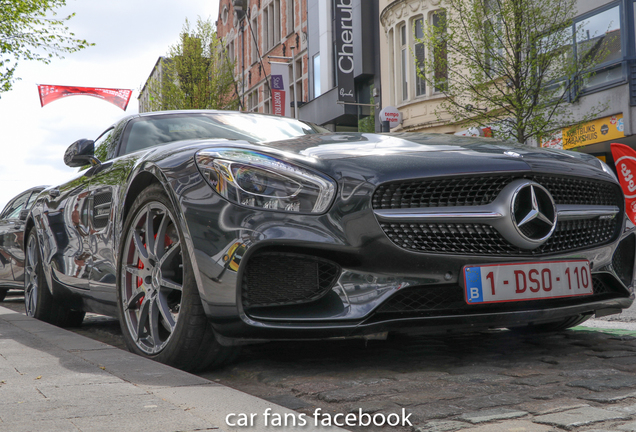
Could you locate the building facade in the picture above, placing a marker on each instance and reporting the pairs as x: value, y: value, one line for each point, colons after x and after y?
x: 152, y: 87
x: 344, y: 65
x: 609, y: 24
x: 402, y: 88
x: 257, y: 32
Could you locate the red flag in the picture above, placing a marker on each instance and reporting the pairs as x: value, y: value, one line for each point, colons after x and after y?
x: 118, y: 97
x: 625, y: 161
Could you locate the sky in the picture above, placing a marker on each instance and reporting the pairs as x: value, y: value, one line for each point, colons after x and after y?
x: 129, y: 36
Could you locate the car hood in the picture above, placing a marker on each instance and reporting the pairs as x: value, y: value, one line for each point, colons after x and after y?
x: 377, y: 158
x: 417, y: 154
x: 356, y: 145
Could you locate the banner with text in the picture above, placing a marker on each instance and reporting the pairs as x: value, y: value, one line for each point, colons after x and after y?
x: 280, y: 89
x: 625, y: 161
x: 118, y: 97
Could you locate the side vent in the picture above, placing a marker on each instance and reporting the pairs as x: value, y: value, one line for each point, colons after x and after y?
x: 102, y: 203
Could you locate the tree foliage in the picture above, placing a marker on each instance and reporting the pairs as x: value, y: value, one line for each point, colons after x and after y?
x: 510, y: 64
x: 31, y: 30
x: 195, y: 74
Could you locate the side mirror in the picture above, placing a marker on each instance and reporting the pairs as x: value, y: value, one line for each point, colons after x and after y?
x: 23, y: 214
x: 80, y: 153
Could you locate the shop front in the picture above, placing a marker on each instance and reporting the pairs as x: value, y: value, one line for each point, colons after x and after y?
x: 593, y: 137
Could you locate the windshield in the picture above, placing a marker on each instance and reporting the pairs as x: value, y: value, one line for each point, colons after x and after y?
x: 154, y: 130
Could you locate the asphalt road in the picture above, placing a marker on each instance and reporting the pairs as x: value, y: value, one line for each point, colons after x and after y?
x: 445, y: 383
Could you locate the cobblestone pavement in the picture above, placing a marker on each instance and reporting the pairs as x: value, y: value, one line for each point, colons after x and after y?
x: 579, y: 380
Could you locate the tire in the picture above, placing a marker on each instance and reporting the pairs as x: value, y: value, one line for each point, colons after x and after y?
x: 160, y: 310
x: 3, y: 294
x: 39, y: 303
x: 554, y: 326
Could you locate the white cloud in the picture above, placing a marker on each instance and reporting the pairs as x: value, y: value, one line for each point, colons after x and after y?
x: 128, y: 37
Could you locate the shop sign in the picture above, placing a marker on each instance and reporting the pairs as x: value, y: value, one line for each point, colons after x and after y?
x: 279, y: 86
x: 392, y: 115
x: 344, y: 50
x: 596, y: 131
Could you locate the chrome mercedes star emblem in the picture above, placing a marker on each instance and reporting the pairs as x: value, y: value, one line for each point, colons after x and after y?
x: 533, y: 213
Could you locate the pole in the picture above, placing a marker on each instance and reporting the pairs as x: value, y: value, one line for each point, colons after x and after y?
x: 243, y: 60
x: 294, y: 83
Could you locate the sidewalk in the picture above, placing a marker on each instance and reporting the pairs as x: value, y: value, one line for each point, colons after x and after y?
x: 55, y: 380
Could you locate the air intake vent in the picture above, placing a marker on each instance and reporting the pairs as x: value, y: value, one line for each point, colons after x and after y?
x: 279, y: 279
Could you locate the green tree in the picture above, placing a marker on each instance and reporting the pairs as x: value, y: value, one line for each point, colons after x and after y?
x: 195, y: 74
x: 510, y: 64
x: 31, y: 30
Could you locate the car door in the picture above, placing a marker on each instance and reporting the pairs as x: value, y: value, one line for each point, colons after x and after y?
x: 65, y: 243
x: 105, y: 187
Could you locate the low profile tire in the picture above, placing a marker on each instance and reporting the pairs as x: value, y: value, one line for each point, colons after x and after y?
x: 38, y: 301
x: 555, y: 326
x: 161, y: 314
x: 3, y: 294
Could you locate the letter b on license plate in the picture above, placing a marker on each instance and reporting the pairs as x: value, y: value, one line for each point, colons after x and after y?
x: 527, y: 281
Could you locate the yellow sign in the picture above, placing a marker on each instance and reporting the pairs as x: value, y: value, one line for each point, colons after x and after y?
x: 604, y: 129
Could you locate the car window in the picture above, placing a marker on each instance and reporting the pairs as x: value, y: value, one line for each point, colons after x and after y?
x: 12, y: 210
x: 102, y: 145
x: 146, y: 132
x: 32, y: 198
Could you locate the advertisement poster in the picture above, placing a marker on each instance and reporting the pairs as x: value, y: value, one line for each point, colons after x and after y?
x: 280, y: 89
x: 625, y: 161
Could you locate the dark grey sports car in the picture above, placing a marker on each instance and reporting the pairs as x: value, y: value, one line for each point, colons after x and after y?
x: 205, y: 230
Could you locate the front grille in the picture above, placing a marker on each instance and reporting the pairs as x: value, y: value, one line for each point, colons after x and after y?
x: 482, y: 190
x: 463, y: 191
x: 440, y: 300
x: 483, y: 239
x: 279, y: 279
x: 623, y: 260
x: 479, y: 238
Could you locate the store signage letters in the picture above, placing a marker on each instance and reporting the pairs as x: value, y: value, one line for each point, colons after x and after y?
x: 344, y: 47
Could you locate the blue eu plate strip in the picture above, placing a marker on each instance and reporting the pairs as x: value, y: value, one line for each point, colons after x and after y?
x: 474, y: 291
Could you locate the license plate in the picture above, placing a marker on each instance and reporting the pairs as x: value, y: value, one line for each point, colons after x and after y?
x: 495, y: 283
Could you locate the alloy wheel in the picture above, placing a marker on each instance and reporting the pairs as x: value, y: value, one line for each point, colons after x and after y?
x: 152, y: 278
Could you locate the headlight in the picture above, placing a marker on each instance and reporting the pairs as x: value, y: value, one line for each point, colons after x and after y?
x: 256, y: 180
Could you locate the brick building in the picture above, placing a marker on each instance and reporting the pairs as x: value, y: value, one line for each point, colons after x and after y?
x: 254, y: 31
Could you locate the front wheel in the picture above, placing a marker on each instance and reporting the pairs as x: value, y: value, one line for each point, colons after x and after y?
x: 161, y: 314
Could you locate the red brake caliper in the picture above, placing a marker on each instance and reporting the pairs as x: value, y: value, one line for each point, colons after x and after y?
x: 140, y: 265
x: 140, y: 281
